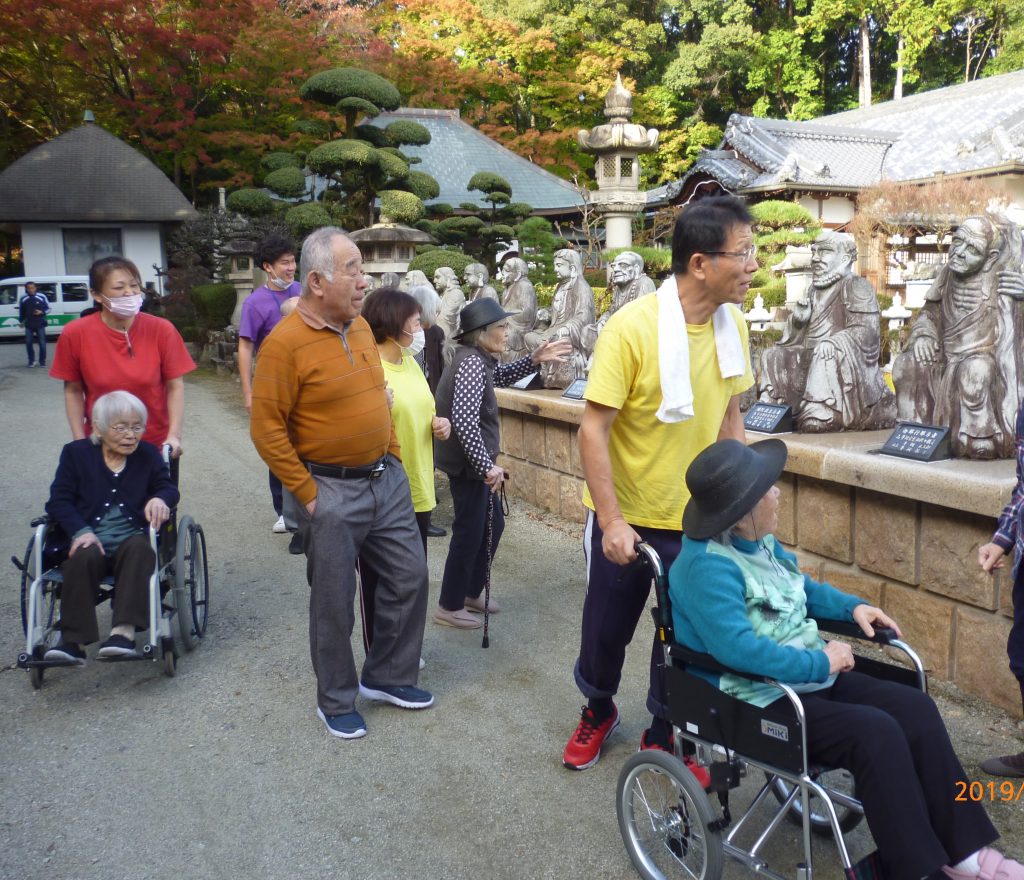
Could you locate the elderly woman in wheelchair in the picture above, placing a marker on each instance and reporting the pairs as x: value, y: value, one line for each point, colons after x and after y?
x: 107, y: 492
x: 739, y: 597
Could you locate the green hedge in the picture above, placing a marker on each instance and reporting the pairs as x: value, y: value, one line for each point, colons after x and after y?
x: 773, y: 295
x: 214, y: 304
x: 429, y: 261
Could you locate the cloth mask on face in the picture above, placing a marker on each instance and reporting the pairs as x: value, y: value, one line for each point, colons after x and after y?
x: 125, y: 306
x: 419, y: 339
x: 276, y: 283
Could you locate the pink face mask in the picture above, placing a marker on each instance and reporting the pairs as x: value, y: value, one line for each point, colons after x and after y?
x: 125, y: 306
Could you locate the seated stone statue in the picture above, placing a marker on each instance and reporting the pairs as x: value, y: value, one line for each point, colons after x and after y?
x: 964, y: 361
x: 628, y: 283
x: 476, y: 277
x: 572, y: 318
x: 446, y: 283
x: 413, y: 278
x: 826, y: 365
x: 519, y: 297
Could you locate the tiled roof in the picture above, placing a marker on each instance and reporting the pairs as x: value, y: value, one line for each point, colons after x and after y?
x: 963, y: 128
x: 88, y: 175
x: 457, y: 151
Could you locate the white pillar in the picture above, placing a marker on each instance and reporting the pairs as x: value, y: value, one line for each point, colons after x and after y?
x: 618, y: 231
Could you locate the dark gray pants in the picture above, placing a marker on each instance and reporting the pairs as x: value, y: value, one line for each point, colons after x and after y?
x: 373, y: 518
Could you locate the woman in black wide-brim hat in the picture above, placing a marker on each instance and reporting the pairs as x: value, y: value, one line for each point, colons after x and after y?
x: 465, y: 396
x: 738, y: 595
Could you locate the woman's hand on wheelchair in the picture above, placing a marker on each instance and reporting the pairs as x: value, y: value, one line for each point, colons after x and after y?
x: 86, y: 539
x: 157, y: 512
x: 867, y: 617
x: 840, y: 657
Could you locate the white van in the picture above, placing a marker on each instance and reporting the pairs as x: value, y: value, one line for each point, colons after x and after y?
x: 68, y: 296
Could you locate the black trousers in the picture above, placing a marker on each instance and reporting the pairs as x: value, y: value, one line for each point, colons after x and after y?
x: 368, y: 580
x: 131, y: 564
x: 466, y: 566
x: 1015, y: 643
x: 892, y: 739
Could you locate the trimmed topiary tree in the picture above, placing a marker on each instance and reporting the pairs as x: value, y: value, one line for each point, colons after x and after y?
x: 305, y: 218
x: 429, y: 261
x: 353, y: 91
x: 251, y: 202
x: 400, y: 207
x: 289, y: 182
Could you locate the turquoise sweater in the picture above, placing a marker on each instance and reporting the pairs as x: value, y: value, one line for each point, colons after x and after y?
x: 748, y: 606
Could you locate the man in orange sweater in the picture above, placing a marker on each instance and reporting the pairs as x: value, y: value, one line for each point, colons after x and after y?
x: 321, y: 422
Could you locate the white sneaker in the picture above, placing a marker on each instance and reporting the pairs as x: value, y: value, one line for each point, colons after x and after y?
x: 423, y: 663
x: 279, y: 527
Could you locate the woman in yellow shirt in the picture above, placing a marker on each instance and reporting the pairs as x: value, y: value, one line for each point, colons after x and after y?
x: 394, y: 317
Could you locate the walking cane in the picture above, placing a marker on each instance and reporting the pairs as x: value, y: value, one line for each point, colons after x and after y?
x: 487, y: 572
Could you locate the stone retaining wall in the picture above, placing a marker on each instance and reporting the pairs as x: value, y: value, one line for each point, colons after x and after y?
x: 900, y: 534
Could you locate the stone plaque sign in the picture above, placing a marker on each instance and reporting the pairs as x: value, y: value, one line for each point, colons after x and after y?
x: 769, y: 418
x: 528, y: 383
x: 918, y: 442
x: 576, y: 389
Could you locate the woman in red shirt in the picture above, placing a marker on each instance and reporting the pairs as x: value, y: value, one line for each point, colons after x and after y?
x: 119, y: 348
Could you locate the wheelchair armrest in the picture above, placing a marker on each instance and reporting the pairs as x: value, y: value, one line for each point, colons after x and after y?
x: 710, y: 664
x: 884, y: 635
x: 40, y: 521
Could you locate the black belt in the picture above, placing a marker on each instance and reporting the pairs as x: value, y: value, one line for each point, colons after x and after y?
x: 370, y: 471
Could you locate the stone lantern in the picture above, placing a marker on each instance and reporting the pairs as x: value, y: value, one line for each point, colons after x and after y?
x: 617, y: 145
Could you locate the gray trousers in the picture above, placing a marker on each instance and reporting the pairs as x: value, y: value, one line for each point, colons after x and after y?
x: 374, y: 518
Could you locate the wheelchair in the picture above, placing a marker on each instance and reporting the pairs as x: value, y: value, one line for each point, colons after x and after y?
x: 179, y: 593
x: 667, y: 820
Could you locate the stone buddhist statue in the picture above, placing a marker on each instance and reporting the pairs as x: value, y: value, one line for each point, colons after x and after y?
x: 413, y: 278
x: 963, y: 365
x: 446, y: 283
x: 572, y: 318
x: 628, y: 283
x: 519, y: 297
x: 826, y: 365
x: 476, y: 277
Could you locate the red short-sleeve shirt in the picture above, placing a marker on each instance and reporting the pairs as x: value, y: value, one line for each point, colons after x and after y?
x: 90, y: 352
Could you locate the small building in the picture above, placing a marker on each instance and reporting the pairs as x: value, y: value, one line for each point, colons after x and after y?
x: 85, y: 195
x: 388, y: 247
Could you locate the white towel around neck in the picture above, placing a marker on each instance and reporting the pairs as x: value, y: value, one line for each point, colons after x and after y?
x: 674, y: 352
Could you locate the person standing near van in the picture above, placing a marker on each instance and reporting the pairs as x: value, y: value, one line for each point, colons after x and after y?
x: 261, y: 312
x: 32, y: 314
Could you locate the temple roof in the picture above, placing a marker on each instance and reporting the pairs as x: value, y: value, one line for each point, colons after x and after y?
x: 968, y: 128
x: 88, y: 175
x: 457, y: 151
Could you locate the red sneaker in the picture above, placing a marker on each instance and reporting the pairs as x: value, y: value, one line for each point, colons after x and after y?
x: 701, y: 773
x: 584, y: 747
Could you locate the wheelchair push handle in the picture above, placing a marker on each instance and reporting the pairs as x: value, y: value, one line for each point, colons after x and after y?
x: 884, y: 635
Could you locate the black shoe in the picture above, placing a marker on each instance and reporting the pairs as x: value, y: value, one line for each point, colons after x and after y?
x: 1007, y: 765
x: 118, y: 646
x: 295, y: 544
x: 67, y: 652
x: 436, y: 531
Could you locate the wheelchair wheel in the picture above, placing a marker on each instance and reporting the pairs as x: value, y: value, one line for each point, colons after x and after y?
x: 665, y: 819
x: 191, y: 582
x: 28, y: 574
x: 837, y: 780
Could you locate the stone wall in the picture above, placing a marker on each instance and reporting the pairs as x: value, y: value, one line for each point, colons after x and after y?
x: 900, y: 534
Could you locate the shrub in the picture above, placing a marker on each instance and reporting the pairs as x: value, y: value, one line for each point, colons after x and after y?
x: 405, y: 131
x: 214, y: 304
x: 775, y: 214
x: 303, y: 219
x: 288, y: 182
x: 327, y: 158
x: 773, y: 295
x: 422, y: 184
x: 779, y: 238
x: 335, y: 86
x: 400, y: 207
x: 489, y: 182
x: 429, y: 261
x: 278, y: 159
x: 251, y: 202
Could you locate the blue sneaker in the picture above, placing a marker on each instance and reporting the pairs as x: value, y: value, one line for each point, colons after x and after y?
x: 406, y: 696
x: 350, y: 725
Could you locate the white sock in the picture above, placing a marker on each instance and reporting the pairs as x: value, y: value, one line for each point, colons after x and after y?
x: 970, y: 865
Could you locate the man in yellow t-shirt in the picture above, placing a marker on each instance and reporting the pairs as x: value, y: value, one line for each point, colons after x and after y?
x: 634, y: 463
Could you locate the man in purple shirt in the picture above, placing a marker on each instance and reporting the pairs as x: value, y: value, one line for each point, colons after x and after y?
x: 260, y: 313
x: 1009, y: 535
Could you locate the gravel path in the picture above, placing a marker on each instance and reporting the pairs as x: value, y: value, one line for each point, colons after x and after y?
x: 115, y: 771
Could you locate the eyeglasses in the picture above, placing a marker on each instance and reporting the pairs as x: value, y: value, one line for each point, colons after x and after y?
x: 747, y: 254
x: 123, y: 430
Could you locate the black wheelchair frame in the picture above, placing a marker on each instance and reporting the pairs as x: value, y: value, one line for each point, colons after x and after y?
x: 667, y: 821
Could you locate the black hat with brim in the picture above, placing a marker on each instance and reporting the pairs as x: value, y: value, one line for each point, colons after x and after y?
x: 726, y: 481
x: 478, y: 314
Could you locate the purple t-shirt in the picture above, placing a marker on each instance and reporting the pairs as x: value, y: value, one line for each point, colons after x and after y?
x: 262, y: 310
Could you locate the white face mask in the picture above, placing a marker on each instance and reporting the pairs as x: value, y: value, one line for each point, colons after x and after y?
x: 419, y: 339
x: 276, y: 283
x: 124, y: 306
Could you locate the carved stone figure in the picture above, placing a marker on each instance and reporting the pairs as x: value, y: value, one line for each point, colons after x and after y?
x: 476, y: 277
x: 964, y: 361
x: 412, y: 279
x: 446, y: 283
x: 628, y: 283
x: 519, y: 297
x: 826, y: 365
x: 572, y: 318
